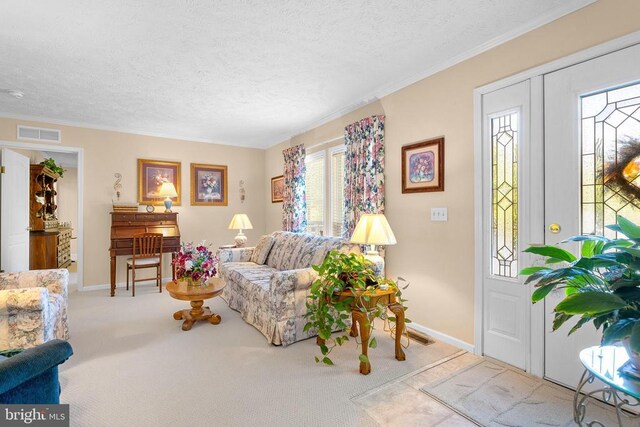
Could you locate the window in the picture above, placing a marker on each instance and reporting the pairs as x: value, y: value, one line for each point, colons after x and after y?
x: 610, y: 158
x: 504, y: 193
x: 325, y: 191
x: 315, y: 192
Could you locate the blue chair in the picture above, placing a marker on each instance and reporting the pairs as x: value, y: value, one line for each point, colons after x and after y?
x: 31, y: 376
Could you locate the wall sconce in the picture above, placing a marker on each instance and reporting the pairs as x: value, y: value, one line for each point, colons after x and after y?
x: 117, y: 186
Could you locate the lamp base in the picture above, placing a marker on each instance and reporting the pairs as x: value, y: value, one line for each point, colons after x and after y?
x: 240, y: 240
x: 167, y: 205
x: 378, y: 262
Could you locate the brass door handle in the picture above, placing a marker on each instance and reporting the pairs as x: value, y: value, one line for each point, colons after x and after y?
x: 555, y: 228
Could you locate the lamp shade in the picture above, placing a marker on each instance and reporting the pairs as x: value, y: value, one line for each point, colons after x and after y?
x: 168, y: 190
x: 240, y: 222
x: 373, y: 229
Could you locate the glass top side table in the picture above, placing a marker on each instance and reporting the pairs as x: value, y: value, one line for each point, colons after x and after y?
x: 621, y: 391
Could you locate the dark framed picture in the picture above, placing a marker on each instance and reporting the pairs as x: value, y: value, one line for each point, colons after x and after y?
x: 423, y: 166
x: 277, y: 189
x: 151, y: 175
x: 208, y: 185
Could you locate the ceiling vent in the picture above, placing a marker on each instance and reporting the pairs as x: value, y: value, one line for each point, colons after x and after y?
x: 39, y: 134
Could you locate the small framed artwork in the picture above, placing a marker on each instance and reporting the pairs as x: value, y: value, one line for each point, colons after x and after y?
x: 208, y: 185
x: 423, y: 166
x: 151, y: 175
x: 277, y: 189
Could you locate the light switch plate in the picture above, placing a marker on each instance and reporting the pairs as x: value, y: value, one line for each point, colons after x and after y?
x: 438, y: 214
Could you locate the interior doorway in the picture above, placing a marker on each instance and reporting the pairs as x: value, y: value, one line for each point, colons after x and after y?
x: 69, y: 189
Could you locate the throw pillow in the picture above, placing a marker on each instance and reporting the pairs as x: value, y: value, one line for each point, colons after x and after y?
x: 261, y: 251
x: 320, y: 254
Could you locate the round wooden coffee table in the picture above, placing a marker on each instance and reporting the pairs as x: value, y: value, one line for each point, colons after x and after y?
x: 196, y: 295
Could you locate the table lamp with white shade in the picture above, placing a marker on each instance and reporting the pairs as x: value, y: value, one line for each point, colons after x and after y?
x: 240, y: 222
x: 168, y: 190
x: 373, y: 230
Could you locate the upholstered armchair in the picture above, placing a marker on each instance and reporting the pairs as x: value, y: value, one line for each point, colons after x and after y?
x: 33, y: 308
x: 31, y: 376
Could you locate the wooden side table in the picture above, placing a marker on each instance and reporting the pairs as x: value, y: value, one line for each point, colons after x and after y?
x: 360, y: 320
x: 196, y: 296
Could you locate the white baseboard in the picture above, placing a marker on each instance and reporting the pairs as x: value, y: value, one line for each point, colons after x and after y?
x: 442, y: 337
x: 121, y: 285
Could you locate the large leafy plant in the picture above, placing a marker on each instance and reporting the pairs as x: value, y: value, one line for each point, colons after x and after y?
x: 601, y: 287
x: 326, y: 312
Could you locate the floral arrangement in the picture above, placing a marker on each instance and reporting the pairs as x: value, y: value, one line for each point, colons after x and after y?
x: 196, y: 263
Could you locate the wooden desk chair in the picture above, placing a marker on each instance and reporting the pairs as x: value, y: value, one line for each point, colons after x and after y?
x: 147, y: 253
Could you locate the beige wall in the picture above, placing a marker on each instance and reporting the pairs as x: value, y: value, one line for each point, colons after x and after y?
x: 437, y: 257
x: 106, y: 153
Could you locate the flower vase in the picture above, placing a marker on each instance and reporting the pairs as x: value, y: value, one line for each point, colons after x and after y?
x: 190, y: 282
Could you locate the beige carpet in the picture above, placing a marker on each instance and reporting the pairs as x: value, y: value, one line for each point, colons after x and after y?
x: 134, y: 366
x: 496, y: 395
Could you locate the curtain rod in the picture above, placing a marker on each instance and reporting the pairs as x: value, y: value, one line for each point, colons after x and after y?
x: 325, y: 142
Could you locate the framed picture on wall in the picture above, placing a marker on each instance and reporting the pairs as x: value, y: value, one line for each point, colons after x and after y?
x: 423, y: 166
x: 208, y: 185
x: 277, y: 189
x: 151, y: 175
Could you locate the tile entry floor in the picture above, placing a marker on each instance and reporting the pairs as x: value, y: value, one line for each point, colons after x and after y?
x: 402, y: 403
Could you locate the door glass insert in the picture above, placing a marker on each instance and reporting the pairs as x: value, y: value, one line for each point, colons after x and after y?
x: 610, y: 158
x: 504, y: 193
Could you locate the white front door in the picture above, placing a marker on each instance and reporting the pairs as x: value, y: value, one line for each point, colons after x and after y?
x: 592, y: 172
x: 506, y: 306
x: 14, y: 212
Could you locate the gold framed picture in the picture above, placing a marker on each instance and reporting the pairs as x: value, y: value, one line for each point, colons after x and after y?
x: 277, y: 189
x: 423, y: 166
x: 151, y: 175
x: 208, y: 185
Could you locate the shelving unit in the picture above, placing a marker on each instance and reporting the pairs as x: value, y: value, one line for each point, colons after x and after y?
x: 50, y: 245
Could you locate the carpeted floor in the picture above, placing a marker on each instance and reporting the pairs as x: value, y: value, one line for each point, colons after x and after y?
x: 134, y: 366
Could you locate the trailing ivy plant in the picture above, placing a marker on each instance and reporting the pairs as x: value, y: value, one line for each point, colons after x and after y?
x: 326, y: 313
x: 51, y: 164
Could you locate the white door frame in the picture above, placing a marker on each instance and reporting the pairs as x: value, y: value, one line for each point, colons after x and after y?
x: 535, y: 363
x: 80, y: 226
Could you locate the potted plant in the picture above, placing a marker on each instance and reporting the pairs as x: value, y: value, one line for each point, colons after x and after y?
x: 51, y: 164
x: 345, y: 282
x: 602, y: 286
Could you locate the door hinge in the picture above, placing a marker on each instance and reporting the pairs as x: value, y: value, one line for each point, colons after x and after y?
x: 2, y: 170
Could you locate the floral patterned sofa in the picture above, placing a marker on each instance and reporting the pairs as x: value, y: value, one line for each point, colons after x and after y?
x: 33, y: 308
x: 269, y: 284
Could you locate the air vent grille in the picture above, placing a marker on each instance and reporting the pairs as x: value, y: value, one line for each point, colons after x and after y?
x: 39, y: 134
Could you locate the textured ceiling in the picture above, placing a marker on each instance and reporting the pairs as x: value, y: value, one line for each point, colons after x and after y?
x: 242, y: 72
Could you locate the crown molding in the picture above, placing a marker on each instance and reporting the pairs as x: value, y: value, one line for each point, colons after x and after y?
x: 566, y: 8
x: 84, y: 125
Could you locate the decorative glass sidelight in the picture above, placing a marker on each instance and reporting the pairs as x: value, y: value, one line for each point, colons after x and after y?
x: 610, y: 158
x: 504, y: 194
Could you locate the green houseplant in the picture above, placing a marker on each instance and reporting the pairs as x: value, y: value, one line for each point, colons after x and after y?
x: 51, y: 164
x: 326, y: 312
x: 602, y: 286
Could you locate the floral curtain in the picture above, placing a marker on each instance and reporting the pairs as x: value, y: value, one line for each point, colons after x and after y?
x: 294, y: 205
x: 364, y: 171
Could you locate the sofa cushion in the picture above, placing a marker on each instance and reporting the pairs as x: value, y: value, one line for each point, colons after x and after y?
x: 261, y: 251
x: 244, y: 274
x: 292, y: 251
